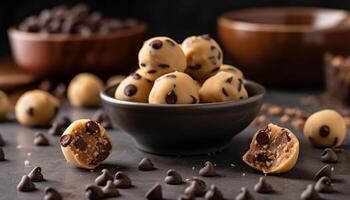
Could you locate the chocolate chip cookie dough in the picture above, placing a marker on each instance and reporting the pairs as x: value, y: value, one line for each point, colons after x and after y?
x: 325, y: 128
x: 223, y: 86
x: 273, y: 149
x: 84, y: 90
x: 174, y: 88
x: 115, y: 80
x: 204, y: 56
x: 134, y: 88
x: 85, y: 144
x: 36, y: 108
x: 160, y: 55
x: 231, y: 69
x: 4, y: 105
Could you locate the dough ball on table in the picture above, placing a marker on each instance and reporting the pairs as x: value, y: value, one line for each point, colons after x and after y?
x: 223, y: 86
x: 273, y: 149
x: 204, y: 56
x: 174, y: 88
x: 84, y: 90
x: 134, y: 88
x: 36, y: 108
x: 325, y: 128
x: 161, y: 55
x: 4, y: 105
x: 231, y: 69
x: 85, y: 144
x: 115, y: 80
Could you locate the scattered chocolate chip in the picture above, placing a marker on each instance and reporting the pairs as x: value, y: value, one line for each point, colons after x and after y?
x: 310, y: 193
x: 56, y: 129
x: 93, y: 192
x: 155, y: 193
x: 156, y: 44
x: 64, y: 121
x: 240, y: 84
x: 215, y: 69
x: 324, y: 131
x: 324, y: 185
x: 52, y: 194
x: 195, y: 67
x: 143, y: 65
x: 205, y: 36
x: 2, y: 154
x: 45, y: 85
x: 171, y: 76
x: 102, y: 179
x: 65, y: 140
x: 224, y: 92
x: 173, y: 177
x: 164, y: 66
x: 26, y: 185
x: 214, y: 193
x: 229, y: 80
x: 110, y: 189
x: 2, y: 141
x: 92, y: 127
x: 146, y: 165
x: 130, y: 90
x: 102, y: 118
x: 263, y: 186
x: 136, y: 76
x: 30, y: 111
x: 80, y: 144
x: 208, y: 170
x: 244, y: 194
x: 329, y: 156
x: 197, y: 187
x: 170, y: 42
x: 262, y: 138
x: 194, y: 99
x: 40, y: 139
x: 122, y: 180
x: 35, y: 175
x: 152, y: 71
x: 324, y: 171
x: 186, y: 197
x: 171, y: 97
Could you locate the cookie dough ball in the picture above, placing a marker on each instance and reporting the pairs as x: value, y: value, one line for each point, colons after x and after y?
x: 4, y: 105
x: 325, y: 128
x: 204, y: 56
x: 36, y: 108
x: 223, y: 86
x: 115, y: 80
x: 231, y: 69
x: 273, y: 149
x: 85, y: 144
x: 134, y: 88
x: 84, y: 90
x: 174, y: 88
x: 161, y: 55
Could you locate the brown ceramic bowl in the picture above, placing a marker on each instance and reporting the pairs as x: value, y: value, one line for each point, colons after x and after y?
x: 284, y: 47
x: 66, y: 55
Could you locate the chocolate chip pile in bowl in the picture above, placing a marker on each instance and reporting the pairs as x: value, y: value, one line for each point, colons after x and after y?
x: 78, y: 19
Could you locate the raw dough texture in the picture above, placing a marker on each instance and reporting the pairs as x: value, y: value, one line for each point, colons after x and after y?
x: 234, y: 70
x: 4, y: 105
x: 115, y: 80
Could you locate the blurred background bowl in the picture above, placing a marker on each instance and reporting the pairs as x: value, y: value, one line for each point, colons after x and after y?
x: 284, y: 47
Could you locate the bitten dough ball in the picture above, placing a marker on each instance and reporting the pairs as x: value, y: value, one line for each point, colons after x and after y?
x: 36, y: 108
x: 174, y: 88
x: 84, y: 90
x: 85, y: 144
x: 160, y: 55
x: 231, y: 69
x: 115, y: 80
x: 4, y: 105
x: 325, y: 128
x: 134, y: 88
x: 204, y: 56
x: 223, y: 86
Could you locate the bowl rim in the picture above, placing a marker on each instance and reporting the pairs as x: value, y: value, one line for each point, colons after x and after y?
x: 140, y: 28
x: 261, y: 93
x: 226, y: 20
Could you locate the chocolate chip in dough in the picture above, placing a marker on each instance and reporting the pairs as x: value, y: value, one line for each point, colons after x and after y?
x: 329, y: 156
x: 214, y: 193
x: 152, y: 71
x: 40, y: 139
x: 110, y: 190
x: 156, y: 44
x: 130, y: 90
x: 173, y: 177
x: 80, y: 144
x: 206, y: 36
x: 93, y: 192
x: 229, y: 80
x: 92, y: 127
x: 2, y: 154
x: 122, y: 180
x: 310, y: 193
x: 171, y: 97
x: 155, y: 193
x: 105, y: 176
x: 65, y: 140
x: 215, y: 69
x: 30, y: 111
x: 262, y: 138
x: 171, y: 76
x: 324, y: 131
x: 195, y: 67
x: 146, y: 164
x: 2, y: 141
x: 324, y: 171
x: 26, y: 185
x: 136, y: 76
x: 52, y: 194
x: 164, y: 66
x: 224, y: 92
x: 263, y: 186
x: 324, y: 185
x: 186, y: 197
x: 35, y: 175
x: 240, y: 84
x: 194, y: 99
x: 170, y: 42
x: 197, y: 187
x: 208, y: 170
x: 244, y: 194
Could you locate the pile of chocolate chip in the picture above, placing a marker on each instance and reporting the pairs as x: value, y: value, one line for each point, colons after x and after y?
x: 79, y: 19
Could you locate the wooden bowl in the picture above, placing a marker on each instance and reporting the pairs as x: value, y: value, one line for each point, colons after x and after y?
x: 59, y: 55
x: 284, y: 47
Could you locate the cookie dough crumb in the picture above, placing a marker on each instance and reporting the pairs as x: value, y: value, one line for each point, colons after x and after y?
x: 275, y: 110
x: 284, y: 119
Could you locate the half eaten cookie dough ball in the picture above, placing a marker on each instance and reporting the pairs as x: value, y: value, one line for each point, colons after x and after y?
x: 85, y: 144
x: 273, y: 149
x: 84, y: 90
x: 161, y: 55
x: 174, y: 88
x: 4, y: 105
x: 325, y: 128
x: 223, y: 86
x: 231, y: 69
x: 134, y: 88
x: 115, y: 80
x: 204, y: 56
x: 36, y: 108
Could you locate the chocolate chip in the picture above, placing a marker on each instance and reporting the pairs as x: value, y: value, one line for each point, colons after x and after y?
x: 64, y: 121
x: 93, y: 192
x: 56, y: 129
x: 92, y: 127
x: 240, y: 84
x: 197, y: 187
x: 262, y: 138
x: 219, y: 55
x: 224, y: 92
x: 30, y: 111
x: 229, y: 80
x: 164, y: 66
x: 130, y: 90
x: 152, y: 71
x: 122, y: 180
x: 2, y: 154
x: 324, y: 131
x: 100, y: 157
x: 146, y: 165
x: 211, y: 58
x: 35, y: 175
x: 171, y: 97
x: 263, y: 186
x: 261, y: 157
x: 102, y: 118
x: 26, y: 185
x: 40, y: 139
x: 194, y: 99
x: 171, y: 76
x: 208, y: 170
x: 195, y: 67
x: 102, y: 179
x: 52, y: 194
x: 65, y: 140
x: 214, y: 193
x: 206, y: 37
x: 310, y: 193
x: 170, y: 42
x: 212, y: 48
x: 2, y: 141
x: 324, y: 171
x: 155, y: 193
x: 136, y: 76
x: 215, y: 69
x: 186, y: 197
x: 329, y: 156
x: 110, y: 190
x: 173, y: 177
x: 143, y: 65
x: 80, y: 144
x: 156, y: 44
x: 244, y: 194
x: 324, y: 185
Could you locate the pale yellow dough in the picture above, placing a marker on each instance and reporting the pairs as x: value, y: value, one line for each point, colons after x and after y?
x: 231, y: 69
x: 4, y: 105
x: 115, y: 80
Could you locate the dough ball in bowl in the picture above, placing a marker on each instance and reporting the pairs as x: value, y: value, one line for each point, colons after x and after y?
x: 231, y: 69
x: 4, y: 105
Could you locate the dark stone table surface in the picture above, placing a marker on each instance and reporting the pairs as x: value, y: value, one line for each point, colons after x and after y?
x: 233, y: 173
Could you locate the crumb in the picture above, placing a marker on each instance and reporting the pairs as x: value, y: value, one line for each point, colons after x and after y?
x: 284, y: 119
x: 91, y: 170
x: 193, y: 168
x: 259, y: 120
x: 29, y: 154
x: 27, y: 163
x: 232, y: 165
x: 298, y: 124
x: 275, y: 110
x: 243, y: 174
x: 19, y: 146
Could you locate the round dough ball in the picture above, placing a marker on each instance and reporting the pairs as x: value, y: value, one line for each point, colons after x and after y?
x: 4, y: 105
x: 161, y: 55
x: 84, y: 90
x: 325, y: 128
x: 85, y: 144
x: 204, y: 56
x: 231, y: 69
x: 115, y: 80
x: 174, y: 88
x: 36, y: 108
x: 223, y: 86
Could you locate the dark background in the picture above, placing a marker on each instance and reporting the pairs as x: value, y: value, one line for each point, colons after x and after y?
x: 174, y: 18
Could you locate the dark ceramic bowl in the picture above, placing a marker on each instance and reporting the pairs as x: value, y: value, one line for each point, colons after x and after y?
x: 186, y: 129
